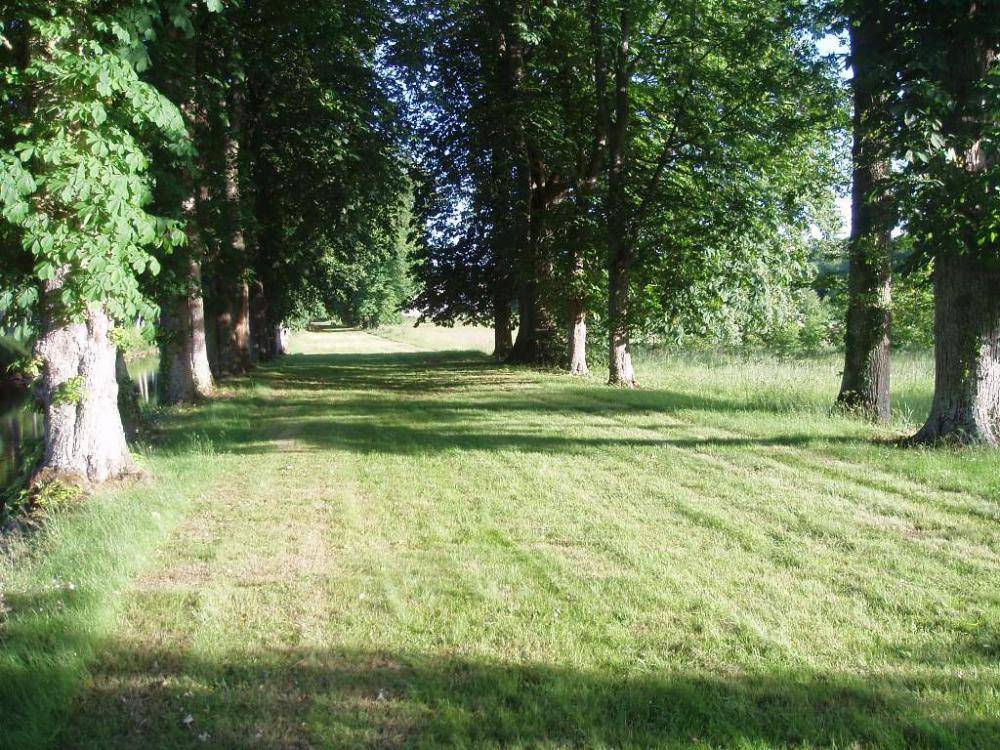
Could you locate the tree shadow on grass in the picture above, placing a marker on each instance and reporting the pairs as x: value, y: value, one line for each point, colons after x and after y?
x: 370, y: 426
x: 415, y: 403
x: 410, y: 372
x: 304, y: 699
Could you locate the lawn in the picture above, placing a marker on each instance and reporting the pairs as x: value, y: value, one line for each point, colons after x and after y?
x: 387, y: 541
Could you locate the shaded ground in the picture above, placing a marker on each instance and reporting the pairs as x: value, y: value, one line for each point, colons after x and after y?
x: 395, y: 547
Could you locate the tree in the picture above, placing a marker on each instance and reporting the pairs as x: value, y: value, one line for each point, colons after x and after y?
x: 704, y: 175
x: 865, y: 384
x: 185, y: 374
x: 472, y: 192
x: 949, y: 106
x: 75, y: 188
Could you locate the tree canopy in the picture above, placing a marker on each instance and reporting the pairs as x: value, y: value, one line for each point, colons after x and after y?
x: 585, y: 172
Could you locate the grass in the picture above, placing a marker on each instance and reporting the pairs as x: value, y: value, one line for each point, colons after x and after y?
x: 380, y: 542
x: 424, y: 336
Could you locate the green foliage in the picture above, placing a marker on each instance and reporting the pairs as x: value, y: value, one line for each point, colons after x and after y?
x: 377, y: 286
x: 913, y: 310
x: 133, y: 340
x: 325, y: 174
x: 75, y: 181
x: 52, y: 497
x: 13, y: 356
x: 15, y: 494
x: 725, y: 189
x: 945, y: 57
x: 71, y: 391
x: 807, y: 325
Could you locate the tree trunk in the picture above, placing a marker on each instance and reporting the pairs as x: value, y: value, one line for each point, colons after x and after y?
x: 185, y: 375
x: 279, y: 339
x: 966, y: 406
x: 620, y: 371
x: 503, y: 343
x: 865, y: 384
x: 185, y: 372
x: 578, y: 338
x: 232, y: 327
x: 84, y: 437
x: 128, y: 398
x: 524, y: 342
x: 234, y: 333
x: 242, y: 344
x: 537, y: 340
x: 274, y: 340
x: 258, y: 323
x: 219, y: 329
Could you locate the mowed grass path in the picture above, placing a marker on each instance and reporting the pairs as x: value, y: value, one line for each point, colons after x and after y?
x: 371, y: 544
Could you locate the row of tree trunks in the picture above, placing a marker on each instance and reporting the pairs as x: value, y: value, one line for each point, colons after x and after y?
x: 85, y: 390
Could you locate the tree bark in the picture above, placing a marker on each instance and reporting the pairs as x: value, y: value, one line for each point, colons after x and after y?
x: 241, y: 326
x: 232, y: 326
x: 966, y: 405
x: 259, y: 322
x: 620, y: 370
x: 503, y: 342
x: 537, y: 340
x: 234, y: 318
x: 865, y: 384
x: 620, y: 254
x: 578, y: 338
x: 84, y: 437
x: 275, y: 339
x: 185, y: 375
x: 279, y: 339
x: 128, y: 398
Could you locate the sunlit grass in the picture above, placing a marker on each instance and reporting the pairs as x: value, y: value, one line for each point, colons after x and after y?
x: 370, y: 544
x: 427, y: 335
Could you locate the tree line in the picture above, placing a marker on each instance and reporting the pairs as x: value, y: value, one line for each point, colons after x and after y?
x: 215, y: 170
x: 638, y: 162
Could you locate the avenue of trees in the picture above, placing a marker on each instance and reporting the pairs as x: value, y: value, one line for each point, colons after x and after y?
x: 580, y: 173
x: 643, y: 163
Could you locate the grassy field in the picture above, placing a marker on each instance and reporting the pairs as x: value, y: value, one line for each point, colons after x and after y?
x: 378, y: 542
